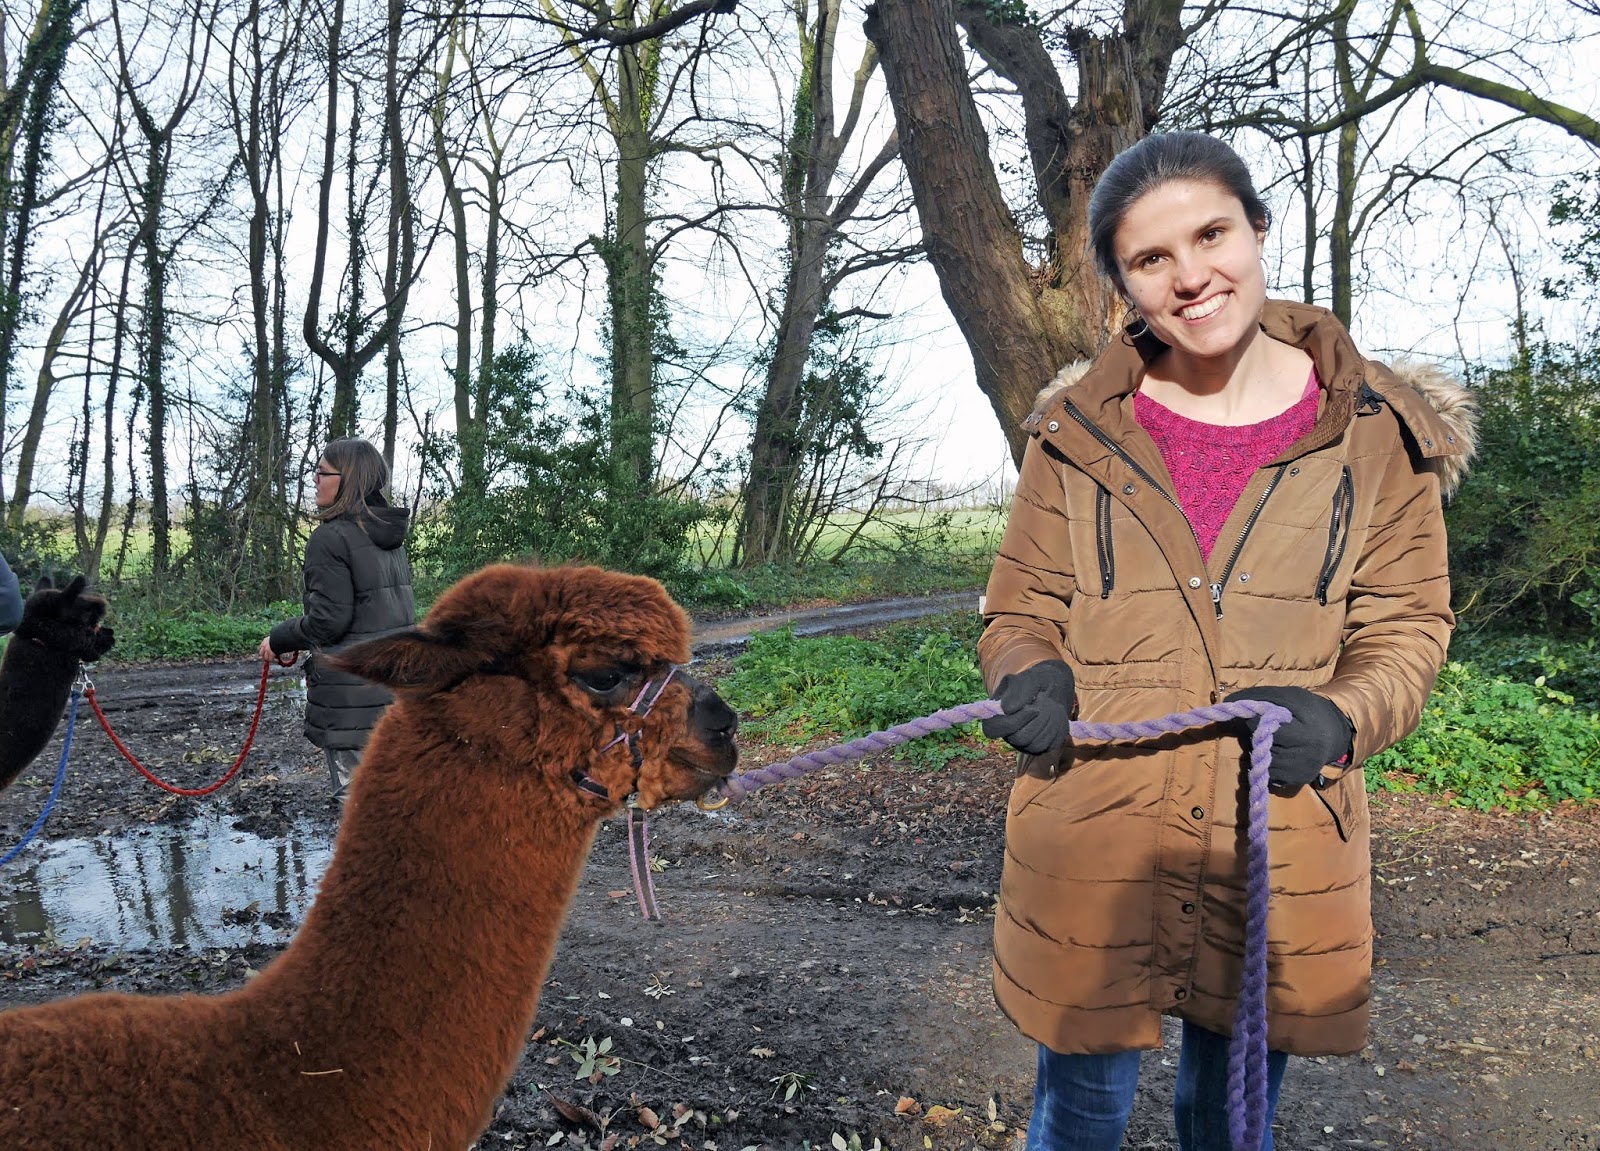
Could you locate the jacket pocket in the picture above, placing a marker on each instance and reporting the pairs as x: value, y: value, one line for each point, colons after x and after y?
x: 1103, y: 547
x: 1340, y: 801
x: 1344, y: 506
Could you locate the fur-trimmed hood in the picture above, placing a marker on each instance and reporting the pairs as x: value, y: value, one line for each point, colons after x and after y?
x: 1454, y: 406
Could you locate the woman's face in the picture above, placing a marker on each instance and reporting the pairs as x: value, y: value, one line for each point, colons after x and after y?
x: 1191, y: 264
x: 327, y: 481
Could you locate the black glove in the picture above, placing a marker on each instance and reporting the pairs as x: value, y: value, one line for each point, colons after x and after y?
x: 1036, y: 708
x: 1319, y: 735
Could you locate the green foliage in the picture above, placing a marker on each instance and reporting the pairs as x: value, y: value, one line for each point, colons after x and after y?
x: 846, y: 686
x: 1487, y: 741
x: 1525, y: 530
x: 549, y: 489
x: 1571, y: 666
x: 821, y: 450
x: 148, y: 629
x: 1008, y: 12
x: 874, y: 575
x: 40, y: 547
x: 595, y: 1061
x: 1575, y: 220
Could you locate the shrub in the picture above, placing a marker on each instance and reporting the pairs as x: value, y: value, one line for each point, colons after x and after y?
x: 150, y: 631
x: 846, y: 686
x: 1525, y: 529
x: 546, y: 488
x: 1486, y: 741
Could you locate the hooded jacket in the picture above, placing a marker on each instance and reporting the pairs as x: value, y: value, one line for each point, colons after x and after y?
x: 357, y: 586
x: 1122, y: 894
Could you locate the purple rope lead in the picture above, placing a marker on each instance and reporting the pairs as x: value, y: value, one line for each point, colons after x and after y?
x: 1247, y: 1049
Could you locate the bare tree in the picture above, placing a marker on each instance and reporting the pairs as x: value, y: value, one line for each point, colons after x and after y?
x: 356, y: 347
x: 633, y: 82
x: 264, y: 99
x: 157, y: 136
x: 26, y: 121
x: 816, y: 214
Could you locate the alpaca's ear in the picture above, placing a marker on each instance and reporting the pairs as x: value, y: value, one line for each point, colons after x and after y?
x: 75, y: 588
x: 410, y: 660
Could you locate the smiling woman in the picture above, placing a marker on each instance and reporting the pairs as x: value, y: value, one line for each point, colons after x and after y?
x: 1219, y: 418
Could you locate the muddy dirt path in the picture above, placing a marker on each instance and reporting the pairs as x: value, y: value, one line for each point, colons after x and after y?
x: 824, y: 963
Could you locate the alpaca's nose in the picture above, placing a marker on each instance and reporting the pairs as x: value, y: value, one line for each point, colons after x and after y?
x: 713, y: 714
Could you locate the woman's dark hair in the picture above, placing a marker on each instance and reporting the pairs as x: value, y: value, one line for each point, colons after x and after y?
x: 362, y: 474
x: 1158, y: 160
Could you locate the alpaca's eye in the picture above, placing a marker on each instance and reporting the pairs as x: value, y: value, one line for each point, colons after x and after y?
x: 601, y: 680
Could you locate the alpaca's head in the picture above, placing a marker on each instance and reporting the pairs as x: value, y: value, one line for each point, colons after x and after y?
x: 65, y: 620
x: 576, y: 647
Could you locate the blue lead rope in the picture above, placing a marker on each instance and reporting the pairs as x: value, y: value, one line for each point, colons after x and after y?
x: 61, y: 775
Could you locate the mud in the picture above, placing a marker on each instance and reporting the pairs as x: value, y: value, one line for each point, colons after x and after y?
x: 823, y: 968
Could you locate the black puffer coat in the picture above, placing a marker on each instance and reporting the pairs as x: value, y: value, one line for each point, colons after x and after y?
x: 357, y: 586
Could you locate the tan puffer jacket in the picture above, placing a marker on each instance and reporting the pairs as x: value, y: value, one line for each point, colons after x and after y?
x: 1122, y: 897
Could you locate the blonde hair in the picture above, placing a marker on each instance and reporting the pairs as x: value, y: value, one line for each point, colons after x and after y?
x: 361, y: 473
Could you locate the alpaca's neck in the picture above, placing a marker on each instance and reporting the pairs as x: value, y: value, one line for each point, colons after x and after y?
x: 421, y: 961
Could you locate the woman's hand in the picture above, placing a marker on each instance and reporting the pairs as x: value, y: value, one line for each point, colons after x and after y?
x: 1036, y: 704
x: 1319, y: 735
x: 284, y: 659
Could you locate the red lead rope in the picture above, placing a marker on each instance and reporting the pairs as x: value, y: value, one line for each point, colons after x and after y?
x: 261, y: 697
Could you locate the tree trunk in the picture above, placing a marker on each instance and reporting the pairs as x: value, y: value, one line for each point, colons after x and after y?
x: 1021, y: 321
x: 631, y: 269
x: 151, y: 376
x: 25, y: 118
x: 469, y: 435
x: 968, y: 231
x: 45, y: 384
x: 811, y: 162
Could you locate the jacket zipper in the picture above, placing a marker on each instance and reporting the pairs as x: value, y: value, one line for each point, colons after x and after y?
x: 1216, y: 588
x: 1111, y: 446
x: 1344, y: 505
x: 1102, y: 540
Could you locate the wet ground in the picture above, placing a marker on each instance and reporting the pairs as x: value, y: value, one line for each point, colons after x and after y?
x: 823, y: 968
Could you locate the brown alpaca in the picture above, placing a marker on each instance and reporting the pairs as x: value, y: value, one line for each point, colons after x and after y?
x: 397, y: 1014
x: 60, y: 630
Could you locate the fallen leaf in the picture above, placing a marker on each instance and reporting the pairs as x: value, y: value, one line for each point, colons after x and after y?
x: 907, y: 1106
x: 649, y: 1118
x: 939, y: 1114
x: 762, y: 1052
x: 574, y: 1113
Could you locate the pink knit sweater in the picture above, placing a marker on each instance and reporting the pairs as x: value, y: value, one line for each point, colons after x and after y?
x: 1211, y: 464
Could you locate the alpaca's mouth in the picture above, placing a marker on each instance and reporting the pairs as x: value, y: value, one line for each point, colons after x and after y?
x: 709, y: 775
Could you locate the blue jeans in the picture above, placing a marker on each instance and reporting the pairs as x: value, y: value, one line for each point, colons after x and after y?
x: 1082, y: 1102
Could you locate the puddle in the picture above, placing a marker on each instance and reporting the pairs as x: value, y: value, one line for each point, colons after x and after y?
x: 202, y: 884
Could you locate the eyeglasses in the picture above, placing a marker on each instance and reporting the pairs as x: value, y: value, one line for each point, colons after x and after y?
x: 322, y: 475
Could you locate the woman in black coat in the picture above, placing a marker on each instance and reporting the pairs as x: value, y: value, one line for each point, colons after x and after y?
x: 357, y: 585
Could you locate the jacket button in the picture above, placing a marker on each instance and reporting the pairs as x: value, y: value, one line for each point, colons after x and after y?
x: 1198, y: 812
x: 1195, y: 581
x: 1129, y: 489
x: 1054, y: 425
x: 1181, y: 993
x: 1188, y: 908
x: 1427, y: 443
x: 1293, y: 472
x: 1244, y: 577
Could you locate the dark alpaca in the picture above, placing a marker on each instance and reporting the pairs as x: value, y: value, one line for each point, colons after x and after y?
x: 60, y: 629
x: 399, y: 1011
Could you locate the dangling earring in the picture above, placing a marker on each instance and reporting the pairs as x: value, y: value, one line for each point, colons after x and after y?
x: 1142, y: 332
